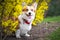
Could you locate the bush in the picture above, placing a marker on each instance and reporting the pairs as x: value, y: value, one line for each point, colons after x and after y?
x: 13, y: 8
x: 54, y: 8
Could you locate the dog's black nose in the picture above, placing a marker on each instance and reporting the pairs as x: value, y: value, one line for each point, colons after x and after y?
x: 29, y: 13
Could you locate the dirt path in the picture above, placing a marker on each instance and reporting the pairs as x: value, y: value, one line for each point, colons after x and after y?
x: 39, y: 32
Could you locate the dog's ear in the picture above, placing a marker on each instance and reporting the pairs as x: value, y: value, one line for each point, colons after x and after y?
x: 34, y: 5
x: 24, y: 4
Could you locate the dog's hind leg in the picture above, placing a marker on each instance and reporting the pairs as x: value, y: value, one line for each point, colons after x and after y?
x: 27, y: 35
x: 18, y: 33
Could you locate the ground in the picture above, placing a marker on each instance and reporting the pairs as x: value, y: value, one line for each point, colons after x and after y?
x: 39, y: 32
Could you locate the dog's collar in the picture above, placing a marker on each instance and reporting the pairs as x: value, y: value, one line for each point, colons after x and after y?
x: 27, y: 22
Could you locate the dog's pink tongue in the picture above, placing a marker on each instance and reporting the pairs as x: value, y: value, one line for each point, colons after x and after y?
x: 29, y: 17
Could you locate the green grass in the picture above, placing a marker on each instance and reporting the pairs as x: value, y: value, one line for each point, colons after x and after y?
x: 52, y: 19
x: 55, y: 35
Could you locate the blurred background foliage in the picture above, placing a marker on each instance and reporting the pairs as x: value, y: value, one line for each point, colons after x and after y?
x: 11, y: 9
x: 54, y: 8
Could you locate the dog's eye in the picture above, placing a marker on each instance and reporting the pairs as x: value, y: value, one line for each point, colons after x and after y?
x: 25, y: 10
x: 31, y: 9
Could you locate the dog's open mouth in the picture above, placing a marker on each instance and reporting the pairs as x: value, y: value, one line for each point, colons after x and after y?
x: 26, y: 21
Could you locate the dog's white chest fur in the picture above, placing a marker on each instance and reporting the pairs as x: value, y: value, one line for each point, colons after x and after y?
x: 24, y: 26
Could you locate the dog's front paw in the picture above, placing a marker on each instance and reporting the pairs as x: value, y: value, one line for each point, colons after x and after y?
x: 18, y: 36
x: 27, y: 35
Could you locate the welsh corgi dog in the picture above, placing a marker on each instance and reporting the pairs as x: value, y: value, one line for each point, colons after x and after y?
x: 26, y: 19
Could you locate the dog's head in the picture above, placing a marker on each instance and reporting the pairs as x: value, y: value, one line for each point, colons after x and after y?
x: 29, y: 10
